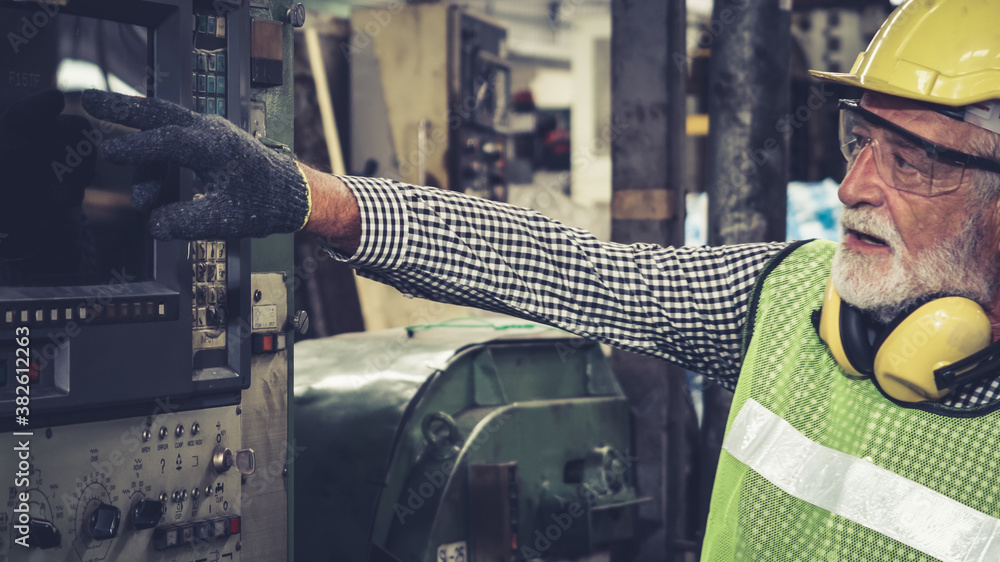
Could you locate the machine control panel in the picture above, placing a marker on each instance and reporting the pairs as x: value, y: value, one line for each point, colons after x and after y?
x: 144, y: 488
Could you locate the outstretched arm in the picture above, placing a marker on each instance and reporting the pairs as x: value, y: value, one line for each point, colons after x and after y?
x: 685, y: 305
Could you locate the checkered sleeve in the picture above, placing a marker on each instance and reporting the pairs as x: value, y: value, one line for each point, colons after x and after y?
x: 685, y: 305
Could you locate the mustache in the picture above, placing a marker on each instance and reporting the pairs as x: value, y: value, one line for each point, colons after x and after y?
x: 869, y: 222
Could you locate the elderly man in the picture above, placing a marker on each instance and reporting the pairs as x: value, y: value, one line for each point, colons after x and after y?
x: 865, y: 416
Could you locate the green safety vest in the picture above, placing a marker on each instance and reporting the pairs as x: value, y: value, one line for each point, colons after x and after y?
x: 817, y: 466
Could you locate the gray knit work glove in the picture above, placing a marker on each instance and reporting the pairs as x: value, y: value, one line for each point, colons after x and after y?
x: 251, y: 190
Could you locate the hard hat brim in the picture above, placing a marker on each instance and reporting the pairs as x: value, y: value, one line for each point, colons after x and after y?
x: 881, y: 86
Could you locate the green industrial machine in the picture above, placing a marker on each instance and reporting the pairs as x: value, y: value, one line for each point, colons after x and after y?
x: 471, y: 440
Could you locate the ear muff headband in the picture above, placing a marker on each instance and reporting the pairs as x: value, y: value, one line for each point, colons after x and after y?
x: 935, y: 335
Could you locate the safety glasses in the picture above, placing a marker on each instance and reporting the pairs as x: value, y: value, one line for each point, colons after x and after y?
x: 904, y: 160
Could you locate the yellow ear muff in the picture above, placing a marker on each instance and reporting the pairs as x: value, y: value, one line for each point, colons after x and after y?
x: 933, y: 336
x: 829, y: 330
x: 938, y: 333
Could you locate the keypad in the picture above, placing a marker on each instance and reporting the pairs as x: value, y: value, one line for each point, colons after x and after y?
x: 208, y: 287
x: 208, y: 77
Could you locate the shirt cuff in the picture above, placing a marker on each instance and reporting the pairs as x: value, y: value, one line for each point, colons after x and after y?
x: 383, y: 224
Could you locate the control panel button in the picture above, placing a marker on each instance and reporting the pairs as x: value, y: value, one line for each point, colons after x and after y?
x: 204, y: 530
x: 187, y: 534
x: 165, y: 537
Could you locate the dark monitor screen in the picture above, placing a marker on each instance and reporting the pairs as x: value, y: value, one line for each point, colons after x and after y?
x: 107, y: 306
x: 65, y: 214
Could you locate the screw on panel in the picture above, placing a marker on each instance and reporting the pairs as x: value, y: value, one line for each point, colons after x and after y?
x: 296, y: 15
x: 257, y: 295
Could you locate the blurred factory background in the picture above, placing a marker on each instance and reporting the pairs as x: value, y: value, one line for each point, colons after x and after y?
x: 641, y: 122
x: 397, y: 429
x: 558, y: 121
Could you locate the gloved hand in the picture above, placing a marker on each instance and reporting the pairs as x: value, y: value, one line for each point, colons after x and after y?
x: 251, y: 190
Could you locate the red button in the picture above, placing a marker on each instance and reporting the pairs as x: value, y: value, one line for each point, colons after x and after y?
x: 33, y: 373
x: 234, y: 525
x: 263, y: 343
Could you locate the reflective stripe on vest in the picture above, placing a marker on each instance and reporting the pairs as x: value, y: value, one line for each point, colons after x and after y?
x: 858, y: 490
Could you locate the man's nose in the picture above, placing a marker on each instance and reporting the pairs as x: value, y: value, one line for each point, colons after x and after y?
x: 863, y: 183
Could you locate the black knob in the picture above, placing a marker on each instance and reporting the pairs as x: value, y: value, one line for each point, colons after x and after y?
x: 146, y: 514
x: 43, y: 534
x: 104, y: 522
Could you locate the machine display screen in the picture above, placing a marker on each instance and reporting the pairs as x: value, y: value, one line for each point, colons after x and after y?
x: 65, y: 216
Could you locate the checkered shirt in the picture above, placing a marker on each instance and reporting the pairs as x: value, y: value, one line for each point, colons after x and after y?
x: 685, y: 305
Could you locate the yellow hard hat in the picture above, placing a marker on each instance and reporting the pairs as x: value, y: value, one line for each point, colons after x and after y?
x: 938, y: 51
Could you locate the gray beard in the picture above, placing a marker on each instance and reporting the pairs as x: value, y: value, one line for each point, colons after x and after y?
x: 948, y: 268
